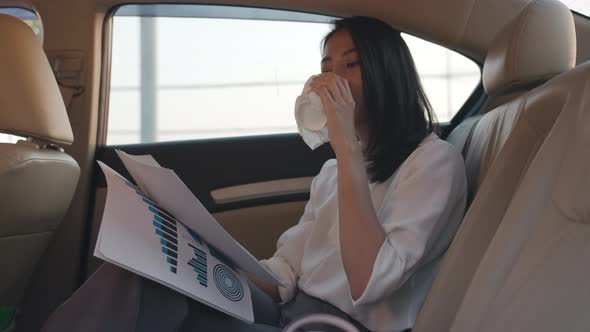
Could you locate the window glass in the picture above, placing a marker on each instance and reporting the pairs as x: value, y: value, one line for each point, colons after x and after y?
x: 236, y: 73
x: 5, y: 138
x: 580, y: 6
x: 448, y: 77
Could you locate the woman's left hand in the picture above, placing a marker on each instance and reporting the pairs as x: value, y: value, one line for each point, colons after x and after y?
x: 339, y: 107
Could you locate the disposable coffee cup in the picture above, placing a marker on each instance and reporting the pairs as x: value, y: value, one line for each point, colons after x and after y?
x: 310, y: 112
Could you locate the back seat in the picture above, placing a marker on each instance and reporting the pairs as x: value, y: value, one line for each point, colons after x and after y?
x: 536, y: 46
x: 534, y: 275
x: 499, y: 146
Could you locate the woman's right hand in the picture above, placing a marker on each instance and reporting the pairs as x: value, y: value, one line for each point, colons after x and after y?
x: 267, y: 287
x: 339, y: 106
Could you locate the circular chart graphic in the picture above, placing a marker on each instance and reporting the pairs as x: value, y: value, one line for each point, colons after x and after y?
x: 228, y: 283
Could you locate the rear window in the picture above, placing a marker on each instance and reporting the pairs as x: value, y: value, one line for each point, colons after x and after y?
x: 579, y: 6
x: 183, y: 72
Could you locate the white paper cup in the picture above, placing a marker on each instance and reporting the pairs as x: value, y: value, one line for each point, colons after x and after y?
x: 309, y: 112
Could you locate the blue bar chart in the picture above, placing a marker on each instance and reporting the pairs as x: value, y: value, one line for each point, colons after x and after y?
x: 143, y: 231
x: 199, y: 265
x: 166, y: 228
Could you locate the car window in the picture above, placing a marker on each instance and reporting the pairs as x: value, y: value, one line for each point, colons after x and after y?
x: 448, y: 77
x: 578, y: 6
x: 181, y: 72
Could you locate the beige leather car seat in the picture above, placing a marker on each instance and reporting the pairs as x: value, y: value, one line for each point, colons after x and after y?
x: 537, y: 45
x: 535, y: 276
x: 37, y: 179
x: 507, y: 139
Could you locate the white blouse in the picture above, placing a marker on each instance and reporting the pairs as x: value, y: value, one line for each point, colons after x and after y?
x: 420, y: 207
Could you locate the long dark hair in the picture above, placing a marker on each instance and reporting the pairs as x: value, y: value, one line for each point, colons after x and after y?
x: 399, y: 115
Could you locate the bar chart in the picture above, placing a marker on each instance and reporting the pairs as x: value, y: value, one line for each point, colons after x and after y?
x: 165, y: 227
x: 199, y: 264
x: 140, y: 232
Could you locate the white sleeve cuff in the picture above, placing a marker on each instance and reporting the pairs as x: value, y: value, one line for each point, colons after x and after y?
x: 286, y: 275
x: 384, y: 276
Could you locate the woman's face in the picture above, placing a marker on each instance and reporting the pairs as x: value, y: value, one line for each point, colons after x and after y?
x: 341, y: 58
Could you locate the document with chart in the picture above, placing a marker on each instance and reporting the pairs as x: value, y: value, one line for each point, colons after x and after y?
x: 159, y: 230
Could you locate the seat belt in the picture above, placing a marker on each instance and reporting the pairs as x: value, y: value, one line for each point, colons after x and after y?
x: 68, y: 93
x: 68, y: 68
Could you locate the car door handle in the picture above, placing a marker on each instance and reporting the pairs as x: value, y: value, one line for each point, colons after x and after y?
x: 258, y: 190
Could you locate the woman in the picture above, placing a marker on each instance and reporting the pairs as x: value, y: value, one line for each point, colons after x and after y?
x: 378, y: 217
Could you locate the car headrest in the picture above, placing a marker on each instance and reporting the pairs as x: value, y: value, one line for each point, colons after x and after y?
x: 30, y: 102
x: 537, y: 45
